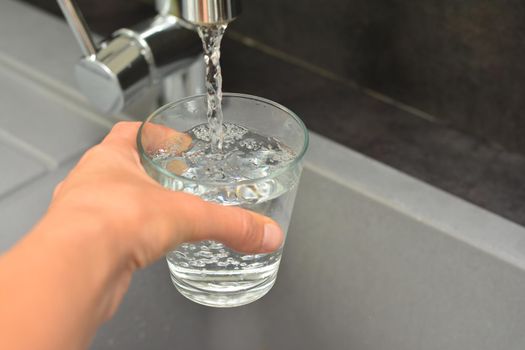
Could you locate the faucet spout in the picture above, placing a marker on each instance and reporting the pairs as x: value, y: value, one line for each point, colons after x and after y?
x: 209, y: 12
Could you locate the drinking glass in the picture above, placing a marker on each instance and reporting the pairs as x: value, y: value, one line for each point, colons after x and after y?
x: 209, y: 272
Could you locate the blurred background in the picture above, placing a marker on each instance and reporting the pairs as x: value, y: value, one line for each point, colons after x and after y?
x: 432, y: 88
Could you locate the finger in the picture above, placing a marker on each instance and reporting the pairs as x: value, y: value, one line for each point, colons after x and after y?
x: 239, y: 229
x: 123, y: 132
x: 155, y: 137
x: 57, y: 189
x: 177, y: 166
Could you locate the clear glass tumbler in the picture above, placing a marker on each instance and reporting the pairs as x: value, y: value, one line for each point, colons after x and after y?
x: 208, y: 272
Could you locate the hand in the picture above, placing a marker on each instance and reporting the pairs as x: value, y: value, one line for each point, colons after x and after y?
x: 109, y: 182
x: 107, y: 219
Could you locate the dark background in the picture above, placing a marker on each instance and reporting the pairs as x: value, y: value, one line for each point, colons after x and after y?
x: 430, y: 87
x: 459, y: 61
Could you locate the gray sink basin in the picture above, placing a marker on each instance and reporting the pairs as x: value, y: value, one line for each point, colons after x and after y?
x: 360, y: 271
x: 374, y: 259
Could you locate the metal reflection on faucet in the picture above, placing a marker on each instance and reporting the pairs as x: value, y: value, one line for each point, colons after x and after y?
x: 208, y: 12
x: 78, y: 25
x: 119, y: 70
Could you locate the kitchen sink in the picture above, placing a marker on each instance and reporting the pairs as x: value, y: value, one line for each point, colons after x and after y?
x: 374, y: 259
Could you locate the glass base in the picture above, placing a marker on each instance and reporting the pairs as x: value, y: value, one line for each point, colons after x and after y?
x: 224, y: 298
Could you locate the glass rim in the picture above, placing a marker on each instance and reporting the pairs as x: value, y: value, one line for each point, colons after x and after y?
x: 277, y: 172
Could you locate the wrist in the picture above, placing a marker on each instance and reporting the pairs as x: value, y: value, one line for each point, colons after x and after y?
x: 65, y: 272
x: 80, y: 245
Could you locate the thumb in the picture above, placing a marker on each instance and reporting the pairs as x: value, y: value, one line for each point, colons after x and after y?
x: 239, y: 229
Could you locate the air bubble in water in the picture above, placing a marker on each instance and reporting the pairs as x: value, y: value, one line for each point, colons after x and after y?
x: 248, y: 193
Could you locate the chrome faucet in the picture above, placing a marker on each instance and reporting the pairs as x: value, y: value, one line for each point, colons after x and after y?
x: 119, y: 70
x: 206, y: 12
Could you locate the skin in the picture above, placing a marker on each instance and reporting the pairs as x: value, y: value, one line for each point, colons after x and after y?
x: 70, y: 272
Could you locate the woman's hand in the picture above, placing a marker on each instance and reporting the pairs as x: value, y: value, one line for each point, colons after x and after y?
x: 147, y: 219
x: 107, y: 219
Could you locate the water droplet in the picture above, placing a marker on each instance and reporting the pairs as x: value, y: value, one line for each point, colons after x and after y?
x: 181, y: 255
x: 216, y: 245
x: 197, y: 263
x: 255, y: 265
x: 204, y: 254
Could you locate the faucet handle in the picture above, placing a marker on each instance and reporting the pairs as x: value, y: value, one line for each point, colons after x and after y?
x: 78, y: 25
x: 123, y: 67
x: 114, y: 74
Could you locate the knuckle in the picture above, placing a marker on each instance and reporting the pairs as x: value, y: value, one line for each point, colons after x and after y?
x: 121, y: 126
x: 94, y: 151
x: 57, y: 188
x: 92, y: 154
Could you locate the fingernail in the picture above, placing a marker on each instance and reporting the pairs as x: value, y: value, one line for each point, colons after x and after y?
x: 273, y: 237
